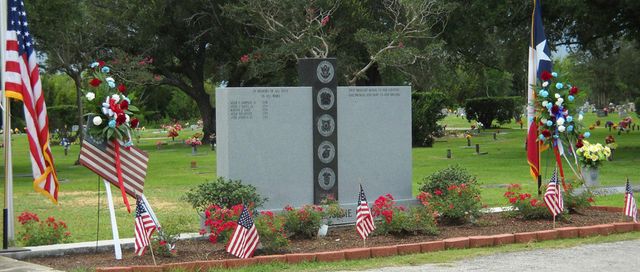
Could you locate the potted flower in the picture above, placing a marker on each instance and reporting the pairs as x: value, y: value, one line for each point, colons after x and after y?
x: 591, y: 157
x: 611, y: 144
x: 194, y: 142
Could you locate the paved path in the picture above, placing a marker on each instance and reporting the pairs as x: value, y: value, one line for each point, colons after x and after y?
x: 11, y: 265
x: 617, y: 256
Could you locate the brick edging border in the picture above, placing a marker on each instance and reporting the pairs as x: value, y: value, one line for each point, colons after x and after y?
x: 411, y: 248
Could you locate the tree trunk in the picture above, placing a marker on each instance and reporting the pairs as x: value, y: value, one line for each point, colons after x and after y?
x: 78, y: 82
x: 208, y: 114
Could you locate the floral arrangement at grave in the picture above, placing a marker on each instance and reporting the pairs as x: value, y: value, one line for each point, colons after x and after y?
x: 112, y: 114
x: 173, y: 130
x: 592, y: 155
x: 610, y: 142
x: 560, y: 126
x: 35, y: 232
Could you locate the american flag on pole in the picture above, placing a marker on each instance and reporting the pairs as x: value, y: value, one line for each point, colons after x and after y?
x: 22, y: 82
x: 245, y: 238
x: 364, y: 220
x: 101, y: 160
x: 630, y: 208
x: 144, y: 228
x: 553, y: 196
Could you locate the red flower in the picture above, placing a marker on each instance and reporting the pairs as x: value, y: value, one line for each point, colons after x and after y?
x: 579, y: 144
x: 590, y: 199
x: 202, y: 231
x: 100, y: 63
x: 388, y: 215
x: 213, y: 239
x: 437, y: 192
x: 508, y: 194
x: 122, y: 88
x: 452, y: 187
x: 135, y: 122
x: 451, y: 206
x: 513, y: 200
x: 244, y: 58
x: 207, y: 214
x: 95, y: 82
x: 545, y: 76
x: 124, y: 105
x: 51, y: 219
x: 121, y: 119
x: 574, y: 90
x: 533, y: 202
x: 288, y: 208
x: 162, y: 243
x: 555, y: 109
x: 546, y: 133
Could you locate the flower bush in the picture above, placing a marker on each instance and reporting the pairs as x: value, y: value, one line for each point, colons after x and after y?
x: 396, y: 219
x: 592, y: 155
x: 525, y: 205
x: 273, y: 236
x: 453, y: 193
x: 113, y: 117
x: 35, y: 232
x: 574, y: 201
x: 303, y: 222
x: 221, y: 222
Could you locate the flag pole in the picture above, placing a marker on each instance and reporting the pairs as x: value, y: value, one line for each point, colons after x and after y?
x: 8, y: 224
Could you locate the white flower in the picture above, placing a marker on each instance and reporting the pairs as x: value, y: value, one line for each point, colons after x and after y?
x: 561, y: 128
x: 580, y: 117
x: 560, y: 100
x: 557, y: 95
x: 127, y: 118
x: 110, y: 112
x: 115, y: 97
x: 545, y: 84
x: 109, y: 79
x: 545, y: 103
x: 559, y: 103
x: 105, y: 111
x: 560, y: 121
x: 90, y: 96
x: 97, y: 120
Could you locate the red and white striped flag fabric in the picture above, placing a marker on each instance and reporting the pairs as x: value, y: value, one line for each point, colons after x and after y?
x: 245, y: 238
x: 364, y: 220
x: 101, y: 160
x: 630, y: 207
x: 553, y: 196
x: 144, y: 228
x: 22, y: 82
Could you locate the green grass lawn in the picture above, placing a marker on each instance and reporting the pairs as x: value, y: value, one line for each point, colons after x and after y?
x: 170, y: 175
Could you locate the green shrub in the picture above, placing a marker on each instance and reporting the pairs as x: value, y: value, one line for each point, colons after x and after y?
x: 426, y: 112
x: 574, y: 201
x: 397, y: 220
x: 487, y: 109
x: 304, y: 222
x: 165, y: 240
x: 272, y: 233
x: 224, y: 193
x: 453, y: 193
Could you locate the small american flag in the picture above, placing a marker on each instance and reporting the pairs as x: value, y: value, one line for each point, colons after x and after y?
x: 144, y: 228
x: 630, y: 208
x: 245, y: 238
x: 553, y: 196
x: 101, y: 160
x: 22, y: 82
x: 364, y: 220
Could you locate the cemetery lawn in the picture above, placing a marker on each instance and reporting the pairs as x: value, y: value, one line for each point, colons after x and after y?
x: 170, y: 175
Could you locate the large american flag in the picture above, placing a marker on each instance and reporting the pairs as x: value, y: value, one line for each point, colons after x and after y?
x: 364, y: 220
x: 101, y: 160
x: 245, y: 238
x: 630, y: 208
x: 553, y: 196
x: 22, y: 82
x: 144, y: 228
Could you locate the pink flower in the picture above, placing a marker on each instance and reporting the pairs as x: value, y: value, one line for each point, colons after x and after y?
x: 325, y: 20
x: 244, y: 58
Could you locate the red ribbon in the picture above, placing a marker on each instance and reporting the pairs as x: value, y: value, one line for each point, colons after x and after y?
x: 559, y: 163
x: 119, y: 171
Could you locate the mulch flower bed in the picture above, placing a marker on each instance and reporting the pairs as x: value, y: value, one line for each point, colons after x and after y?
x: 344, y: 238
